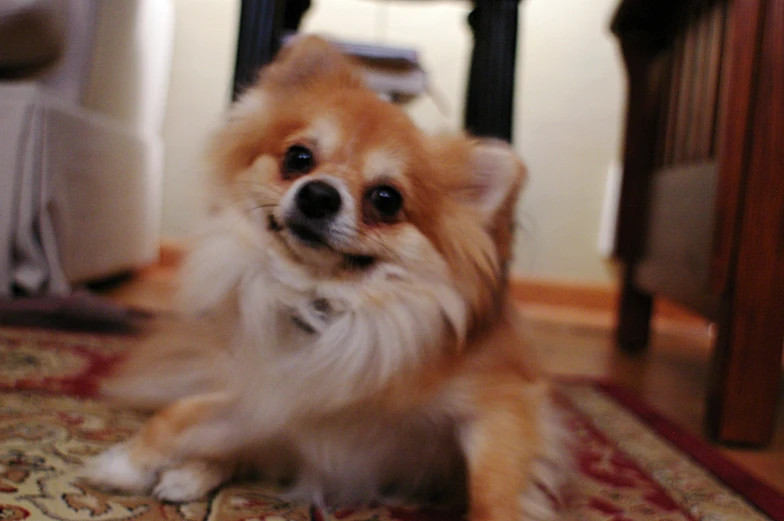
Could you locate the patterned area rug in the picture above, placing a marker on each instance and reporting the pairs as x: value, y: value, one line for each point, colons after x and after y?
x: 633, y: 465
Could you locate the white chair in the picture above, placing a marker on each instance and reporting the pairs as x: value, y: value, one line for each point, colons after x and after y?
x: 82, y: 95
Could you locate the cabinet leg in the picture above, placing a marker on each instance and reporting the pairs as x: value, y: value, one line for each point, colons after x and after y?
x: 489, y: 107
x: 262, y: 24
x: 634, y: 316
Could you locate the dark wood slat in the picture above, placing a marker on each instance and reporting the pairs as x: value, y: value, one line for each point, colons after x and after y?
x: 745, y: 391
x: 673, y: 99
x: 712, y: 79
x: 735, y: 124
x: 676, y: 71
x: 699, y: 29
x: 720, y: 119
x: 685, y: 89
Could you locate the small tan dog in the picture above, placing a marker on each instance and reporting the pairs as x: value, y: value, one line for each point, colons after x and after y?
x: 355, y: 278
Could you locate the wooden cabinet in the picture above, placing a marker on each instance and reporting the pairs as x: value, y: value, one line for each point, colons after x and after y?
x: 701, y: 217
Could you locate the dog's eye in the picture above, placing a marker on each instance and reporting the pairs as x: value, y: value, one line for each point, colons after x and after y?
x: 383, y: 203
x: 297, y: 161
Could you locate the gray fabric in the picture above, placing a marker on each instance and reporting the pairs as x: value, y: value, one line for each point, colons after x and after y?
x: 29, y: 261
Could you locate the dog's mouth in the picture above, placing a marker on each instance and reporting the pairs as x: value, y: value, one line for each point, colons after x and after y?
x: 312, y: 239
x: 307, y: 236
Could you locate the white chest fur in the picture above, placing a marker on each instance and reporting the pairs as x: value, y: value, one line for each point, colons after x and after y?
x: 342, y: 335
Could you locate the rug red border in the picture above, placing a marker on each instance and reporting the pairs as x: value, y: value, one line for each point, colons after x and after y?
x: 761, y: 495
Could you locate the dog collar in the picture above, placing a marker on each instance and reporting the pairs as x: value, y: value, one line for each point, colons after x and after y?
x: 313, y: 317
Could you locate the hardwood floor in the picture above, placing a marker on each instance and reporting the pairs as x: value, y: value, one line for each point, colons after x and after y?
x: 671, y: 375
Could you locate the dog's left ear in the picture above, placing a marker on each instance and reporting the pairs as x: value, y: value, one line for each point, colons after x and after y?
x: 310, y: 60
x: 497, y: 175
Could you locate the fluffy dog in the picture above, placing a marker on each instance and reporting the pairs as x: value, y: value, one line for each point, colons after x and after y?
x: 353, y: 282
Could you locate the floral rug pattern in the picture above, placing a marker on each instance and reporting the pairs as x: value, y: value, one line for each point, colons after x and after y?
x: 49, y: 425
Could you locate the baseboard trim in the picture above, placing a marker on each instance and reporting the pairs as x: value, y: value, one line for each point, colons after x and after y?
x: 592, y: 298
x: 546, y: 292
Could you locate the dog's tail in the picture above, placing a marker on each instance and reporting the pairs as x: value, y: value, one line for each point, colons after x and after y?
x: 182, y: 358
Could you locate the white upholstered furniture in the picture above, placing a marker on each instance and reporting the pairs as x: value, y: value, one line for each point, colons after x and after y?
x: 83, y: 86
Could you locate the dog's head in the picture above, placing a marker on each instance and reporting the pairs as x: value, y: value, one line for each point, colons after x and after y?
x: 345, y: 184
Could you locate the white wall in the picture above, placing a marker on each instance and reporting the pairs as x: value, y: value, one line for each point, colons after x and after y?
x: 202, y: 67
x: 568, y: 114
x: 568, y: 121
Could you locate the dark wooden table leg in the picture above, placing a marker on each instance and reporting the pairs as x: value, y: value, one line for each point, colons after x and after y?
x: 634, y: 315
x: 489, y: 109
x: 640, y: 53
x: 257, y: 41
x: 262, y: 24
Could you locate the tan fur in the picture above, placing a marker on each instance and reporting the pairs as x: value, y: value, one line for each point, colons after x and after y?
x: 410, y: 372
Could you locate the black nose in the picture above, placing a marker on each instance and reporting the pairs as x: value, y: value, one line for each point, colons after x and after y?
x: 318, y: 200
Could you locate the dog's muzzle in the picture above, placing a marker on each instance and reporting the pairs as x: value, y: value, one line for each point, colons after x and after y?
x: 316, y: 205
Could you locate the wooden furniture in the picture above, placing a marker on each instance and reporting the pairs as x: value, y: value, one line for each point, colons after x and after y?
x: 490, y: 95
x: 701, y: 217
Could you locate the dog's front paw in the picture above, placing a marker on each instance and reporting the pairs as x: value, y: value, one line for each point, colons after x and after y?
x: 116, y: 470
x: 190, y: 481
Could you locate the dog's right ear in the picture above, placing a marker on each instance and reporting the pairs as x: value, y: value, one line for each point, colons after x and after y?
x: 310, y: 60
